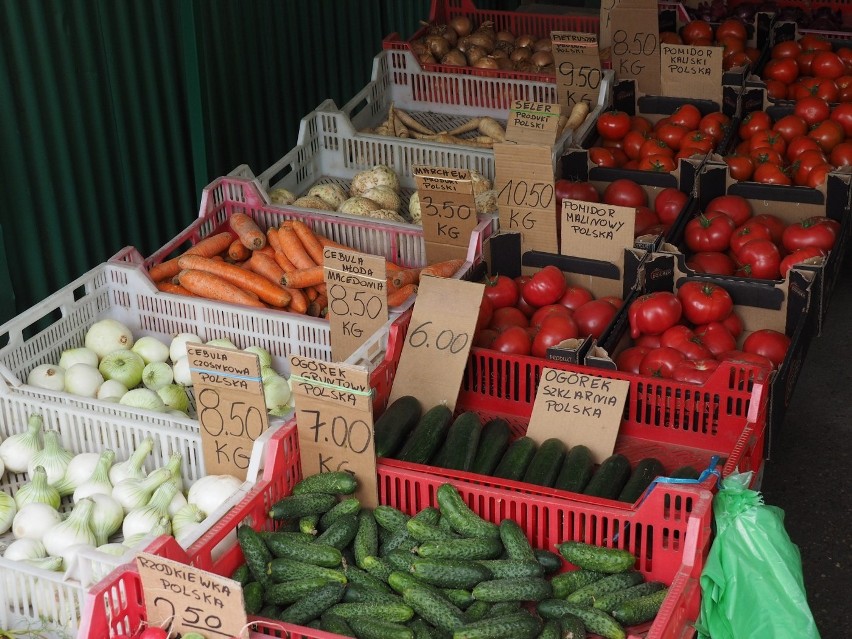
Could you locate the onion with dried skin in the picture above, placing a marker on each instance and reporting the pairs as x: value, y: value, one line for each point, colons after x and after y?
x: 474, y: 54
x: 520, y: 53
x: 454, y: 58
x: 542, y: 44
x: 487, y: 62
x: 525, y: 40
x: 542, y: 58
x: 506, y: 36
x: 437, y: 45
x: 461, y: 25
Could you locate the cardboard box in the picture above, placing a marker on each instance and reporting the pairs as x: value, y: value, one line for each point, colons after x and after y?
x: 783, y: 306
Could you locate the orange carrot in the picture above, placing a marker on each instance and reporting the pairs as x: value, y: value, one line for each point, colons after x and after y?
x: 272, y: 238
x: 309, y: 241
x: 266, y: 250
x: 443, y: 269
x: 211, y: 286
x: 247, y: 230
x: 266, y: 266
x: 390, y: 267
x: 208, y: 247
x: 267, y: 291
x: 298, y: 301
x: 293, y: 248
x: 398, y: 296
x: 168, y: 287
x: 304, y: 277
x: 322, y: 289
x: 406, y: 276
x: 284, y: 262
x: 238, y: 252
x: 319, y: 307
x: 311, y: 293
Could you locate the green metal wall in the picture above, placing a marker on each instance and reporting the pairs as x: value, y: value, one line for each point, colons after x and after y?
x: 114, y: 114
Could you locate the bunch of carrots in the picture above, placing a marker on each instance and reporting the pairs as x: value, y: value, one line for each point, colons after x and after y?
x: 281, y: 268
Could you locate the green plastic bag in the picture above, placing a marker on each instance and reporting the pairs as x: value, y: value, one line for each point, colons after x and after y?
x: 752, y: 585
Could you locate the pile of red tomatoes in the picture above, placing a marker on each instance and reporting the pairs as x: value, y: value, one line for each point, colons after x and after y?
x: 809, y: 67
x: 729, y: 34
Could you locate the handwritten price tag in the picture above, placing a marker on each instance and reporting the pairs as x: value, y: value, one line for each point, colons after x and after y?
x: 578, y: 68
x: 334, y: 415
x: 448, y: 211
x: 187, y: 599
x: 533, y: 122
x: 635, y: 47
x: 230, y: 405
x: 691, y: 70
x: 439, y: 337
x: 357, y: 298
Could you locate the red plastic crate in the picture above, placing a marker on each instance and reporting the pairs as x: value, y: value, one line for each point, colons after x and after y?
x: 670, y: 539
x: 537, y: 24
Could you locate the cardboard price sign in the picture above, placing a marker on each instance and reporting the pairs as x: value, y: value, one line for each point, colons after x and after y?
x: 525, y: 194
x: 334, y: 415
x: 439, y: 337
x: 357, y: 298
x: 533, y: 122
x: 578, y: 409
x: 186, y: 599
x: 691, y: 70
x: 230, y: 405
x: 578, y: 68
x: 448, y: 211
x: 635, y: 46
x: 596, y: 231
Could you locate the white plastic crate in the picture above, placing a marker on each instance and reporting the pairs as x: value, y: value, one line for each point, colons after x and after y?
x: 29, y: 594
x: 330, y: 147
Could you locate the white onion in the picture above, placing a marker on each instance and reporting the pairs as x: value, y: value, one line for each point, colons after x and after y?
x: 156, y: 375
x: 53, y: 458
x: 122, y: 365
x: 106, y: 518
x: 18, y: 450
x: 111, y: 388
x: 263, y: 355
x: 74, y: 530
x: 133, y: 466
x: 174, y: 397
x: 79, y: 469
x: 142, y: 520
x: 142, y: 398
x: 108, y: 335
x: 98, y: 482
x: 38, y: 491
x: 177, y: 348
x: 135, y: 493
x: 150, y: 349
x: 224, y: 342
x: 25, y: 548
x: 47, y: 376
x: 210, y: 492
x: 8, y: 510
x: 267, y: 373
x: 34, y: 520
x: 181, y: 370
x: 81, y: 355
x: 84, y: 380
x: 276, y: 395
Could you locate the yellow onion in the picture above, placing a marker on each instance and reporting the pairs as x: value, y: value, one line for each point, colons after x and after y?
x: 505, y: 36
x: 454, y: 58
x: 474, y: 54
x: 461, y: 25
x: 542, y: 44
x: 525, y: 40
x: 520, y: 53
x: 437, y: 45
x: 487, y: 62
x: 542, y: 58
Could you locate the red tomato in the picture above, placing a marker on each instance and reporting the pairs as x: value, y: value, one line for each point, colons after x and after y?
x: 814, y: 42
x: 715, y: 125
x: 671, y: 134
x: 704, y: 302
x: 687, y: 115
x: 617, y: 302
x: 544, y: 312
x: 741, y: 167
x: 485, y: 337
x: 574, y: 190
x: 630, y: 358
x: 633, y: 142
x: 760, y: 259
x: 747, y: 232
x: 828, y: 134
x: 807, y: 255
x: 694, y: 371
x: 683, y: 339
x: 842, y: 114
x: 771, y: 173
x: 545, y: 287
x: 575, y: 296
x: 754, y: 122
x: 506, y: 317
x: 774, y: 223
x: 554, y: 329
x: 716, y: 337
x: 818, y: 175
x: 713, y: 262
x: 784, y: 70
x: 804, y: 163
x: 669, y: 203
x: 801, y: 144
x: 153, y: 632
x: 653, y: 146
x: 805, y: 61
x: 841, y: 155
x: 660, y: 362
x: 709, y: 232
x: 501, y: 291
x: 514, y: 340
x: 593, y: 317
x: 734, y: 324
x: 827, y: 64
x: 613, y: 125
x: 768, y: 140
x: 731, y: 27
x: 624, y: 192
x: 602, y: 157
x: 812, y: 110
x: 741, y: 358
x: 735, y: 207
x: 698, y: 139
x: 486, y: 311
x: 645, y: 219
x: 786, y: 49
x: 809, y: 232
x: 771, y: 344
x: 640, y: 123
x: 653, y: 313
x: 695, y: 31
x: 776, y: 90
x: 657, y: 163
x: 790, y: 126
x: 647, y: 341
x: 816, y: 87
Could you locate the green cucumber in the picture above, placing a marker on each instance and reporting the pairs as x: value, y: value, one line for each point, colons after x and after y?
x: 298, y: 506
x: 377, y: 567
x: 312, y: 605
x: 512, y: 569
x: 458, y: 597
x: 390, y: 518
x: 395, y: 424
x: 567, y: 582
x: 400, y: 559
x: 493, y: 443
x: 444, y: 524
x: 515, y: 460
x: 448, y: 573
x: 546, y: 463
x: 596, y: 621
x: 356, y: 575
x: 549, y: 560
x: 308, y: 525
x: 421, y: 531
x: 427, y: 436
x: 242, y: 574
x: 577, y: 470
x: 335, y: 624
x: 394, y: 612
x: 255, y: 552
x: 348, y: 506
x: 360, y: 594
x: 281, y: 569
x: 646, y: 470
x: 640, y: 609
x: 519, y: 625
x: 400, y: 581
x: 367, y: 628
x: 476, y: 611
x: 459, y: 449
x: 340, y: 534
x: 550, y: 630
x: 430, y: 515
x: 399, y: 540
x: 462, y: 519
x: 610, y: 477
x: 421, y: 629
x: 597, y: 558
x: 464, y: 548
x: 587, y: 595
x: 311, y: 552
x: 530, y: 589
x: 572, y: 627
x: 289, y: 592
x: 504, y: 608
x: 253, y: 597
x: 333, y: 483
x: 271, y: 538
x: 270, y: 611
x: 610, y: 601
x: 515, y: 541
x: 434, y: 608
x: 366, y: 542
x: 685, y: 472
